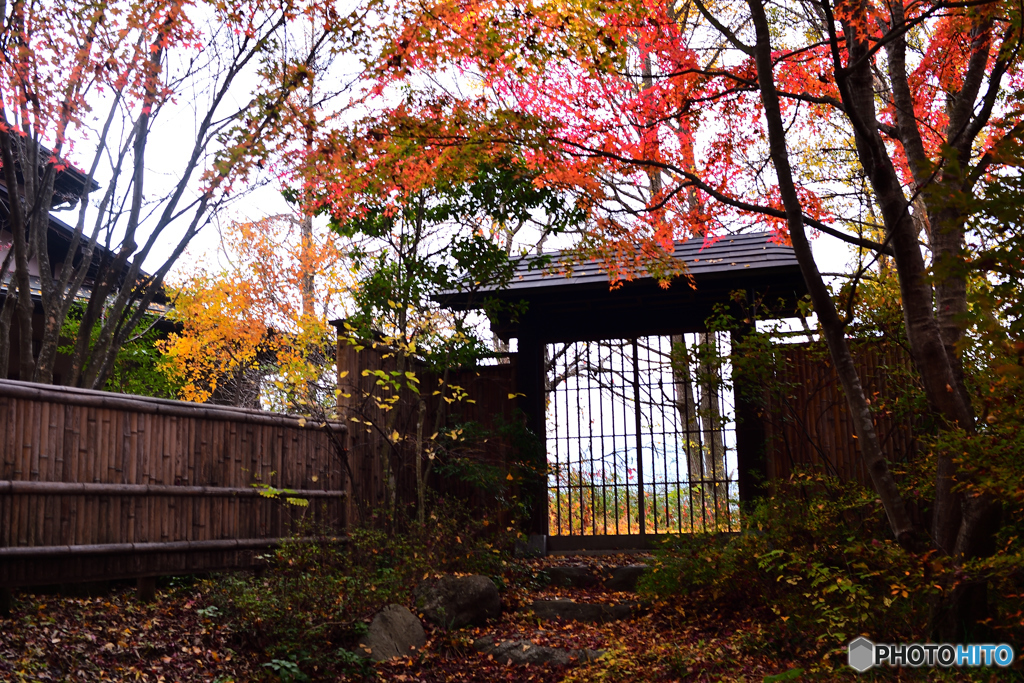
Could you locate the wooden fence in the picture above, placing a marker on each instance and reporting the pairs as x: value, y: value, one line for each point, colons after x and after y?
x: 488, y: 407
x: 96, y: 485
x: 99, y: 486
x: 806, y: 419
x: 802, y: 413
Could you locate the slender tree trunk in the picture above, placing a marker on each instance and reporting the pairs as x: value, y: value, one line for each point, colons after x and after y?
x: 832, y: 326
x: 686, y: 406
x: 306, y: 284
x: 709, y: 374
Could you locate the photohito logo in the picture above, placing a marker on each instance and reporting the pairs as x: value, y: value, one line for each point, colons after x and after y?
x: 862, y: 654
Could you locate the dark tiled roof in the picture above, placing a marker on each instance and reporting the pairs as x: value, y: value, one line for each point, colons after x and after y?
x: 749, y: 253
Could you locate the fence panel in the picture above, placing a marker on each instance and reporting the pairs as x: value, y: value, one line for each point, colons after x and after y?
x: 96, y: 485
x: 488, y: 406
x: 807, y: 422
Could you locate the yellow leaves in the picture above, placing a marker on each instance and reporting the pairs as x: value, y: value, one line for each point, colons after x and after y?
x: 395, y: 436
x: 233, y: 319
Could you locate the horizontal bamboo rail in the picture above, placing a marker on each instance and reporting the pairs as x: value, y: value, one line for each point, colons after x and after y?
x: 151, y: 406
x: 53, y: 488
x: 169, y: 547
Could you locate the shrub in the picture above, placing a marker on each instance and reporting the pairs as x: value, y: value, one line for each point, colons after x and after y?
x: 306, y: 611
x: 816, y: 561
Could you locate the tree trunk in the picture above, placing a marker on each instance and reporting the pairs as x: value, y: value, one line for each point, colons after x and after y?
x: 832, y: 326
x: 421, y: 475
x: 686, y: 406
x: 306, y: 285
x: 709, y: 379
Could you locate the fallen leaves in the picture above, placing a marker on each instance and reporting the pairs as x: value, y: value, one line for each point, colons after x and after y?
x: 115, y: 638
x: 179, y: 638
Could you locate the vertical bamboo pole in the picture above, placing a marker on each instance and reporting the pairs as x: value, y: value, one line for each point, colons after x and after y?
x: 23, y: 471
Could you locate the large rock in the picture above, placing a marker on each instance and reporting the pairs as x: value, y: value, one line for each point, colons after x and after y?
x: 568, y: 610
x: 528, y: 652
x: 394, y: 632
x: 457, y: 601
x: 625, y: 578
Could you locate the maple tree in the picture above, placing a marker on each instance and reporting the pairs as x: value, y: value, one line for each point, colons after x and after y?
x: 875, y: 123
x: 255, y: 331
x: 92, y: 83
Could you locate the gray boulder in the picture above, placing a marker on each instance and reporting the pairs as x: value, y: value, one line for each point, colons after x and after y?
x: 569, y: 610
x: 625, y: 578
x: 394, y: 632
x: 457, y: 601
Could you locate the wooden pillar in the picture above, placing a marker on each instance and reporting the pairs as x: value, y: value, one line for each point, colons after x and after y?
x: 347, y: 363
x: 530, y: 383
x: 145, y: 589
x: 750, y: 433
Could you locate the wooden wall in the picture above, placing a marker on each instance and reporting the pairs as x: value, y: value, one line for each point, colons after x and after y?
x: 96, y: 485
x: 806, y: 419
x: 489, y: 403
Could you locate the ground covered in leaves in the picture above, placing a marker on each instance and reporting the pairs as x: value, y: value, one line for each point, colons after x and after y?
x: 113, y: 637
x: 184, y: 637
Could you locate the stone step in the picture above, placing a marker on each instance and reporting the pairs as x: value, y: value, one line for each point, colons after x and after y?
x: 570, y: 610
x: 524, y: 651
x: 622, y: 578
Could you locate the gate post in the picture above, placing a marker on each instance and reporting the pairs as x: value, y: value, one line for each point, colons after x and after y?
x: 530, y: 383
x: 750, y: 434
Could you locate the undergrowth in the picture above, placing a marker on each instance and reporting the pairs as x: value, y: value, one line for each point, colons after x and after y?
x: 816, y: 563
x: 308, y: 608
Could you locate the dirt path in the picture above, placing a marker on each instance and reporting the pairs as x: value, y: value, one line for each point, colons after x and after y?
x: 654, y: 642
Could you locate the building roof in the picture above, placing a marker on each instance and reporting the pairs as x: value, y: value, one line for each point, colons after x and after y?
x: 59, y: 237
x: 725, y: 256
x: 556, y: 299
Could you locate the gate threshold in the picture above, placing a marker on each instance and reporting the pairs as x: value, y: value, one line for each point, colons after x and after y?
x: 577, y: 545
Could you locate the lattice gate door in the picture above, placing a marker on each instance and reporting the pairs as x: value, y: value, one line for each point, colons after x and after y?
x: 640, y: 438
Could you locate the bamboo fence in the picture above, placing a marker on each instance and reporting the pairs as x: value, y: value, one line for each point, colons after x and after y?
x: 99, y: 486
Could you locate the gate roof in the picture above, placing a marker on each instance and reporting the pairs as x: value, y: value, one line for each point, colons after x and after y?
x: 567, y: 301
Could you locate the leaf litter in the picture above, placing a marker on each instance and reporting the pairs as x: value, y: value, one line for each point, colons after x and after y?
x: 180, y: 637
